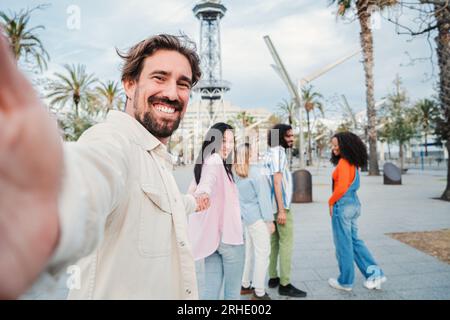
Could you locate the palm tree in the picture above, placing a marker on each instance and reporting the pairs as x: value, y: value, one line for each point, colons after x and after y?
x: 433, y: 18
x: 111, y: 94
x: 72, y: 127
x: 246, y: 119
x: 287, y: 110
x: 345, y: 126
x: 74, y: 87
x: 242, y: 120
x: 442, y: 14
x: 322, y: 136
x: 364, y: 10
x: 426, y: 113
x: 25, y: 42
x: 311, y: 102
x: 273, y: 120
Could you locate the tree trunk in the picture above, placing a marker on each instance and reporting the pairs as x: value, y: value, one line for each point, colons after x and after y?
x: 442, y: 14
x: 309, y: 139
x: 76, y: 109
x: 426, y: 145
x: 400, y: 154
x: 446, y: 194
x: 367, y: 46
x: 389, y: 150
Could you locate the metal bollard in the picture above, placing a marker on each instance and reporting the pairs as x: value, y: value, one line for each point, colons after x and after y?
x: 391, y: 174
x: 302, y: 186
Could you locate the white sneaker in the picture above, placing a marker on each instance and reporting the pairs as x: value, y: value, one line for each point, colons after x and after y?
x: 335, y: 284
x: 375, y: 283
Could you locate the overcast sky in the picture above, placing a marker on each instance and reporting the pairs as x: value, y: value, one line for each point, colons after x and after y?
x: 306, y: 33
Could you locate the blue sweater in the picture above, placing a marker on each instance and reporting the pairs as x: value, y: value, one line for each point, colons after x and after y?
x: 254, y: 196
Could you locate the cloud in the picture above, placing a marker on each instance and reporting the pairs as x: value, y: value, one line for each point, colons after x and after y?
x: 305, y: 33
x: 303, y: 44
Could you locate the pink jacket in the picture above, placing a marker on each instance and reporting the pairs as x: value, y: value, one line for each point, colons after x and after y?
x: 222, y: 221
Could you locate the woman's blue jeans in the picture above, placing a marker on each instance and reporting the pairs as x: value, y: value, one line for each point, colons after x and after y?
x: 349, y: 248
x: 225, y: 266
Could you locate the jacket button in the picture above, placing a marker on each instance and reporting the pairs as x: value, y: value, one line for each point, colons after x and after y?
x: 182, y: 243
x: 188, y: 291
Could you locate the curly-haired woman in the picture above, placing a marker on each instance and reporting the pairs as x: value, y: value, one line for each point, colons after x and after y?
x: 349, y: 154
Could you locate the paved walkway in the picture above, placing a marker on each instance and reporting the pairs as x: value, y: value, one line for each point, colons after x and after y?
x: 411, y: 274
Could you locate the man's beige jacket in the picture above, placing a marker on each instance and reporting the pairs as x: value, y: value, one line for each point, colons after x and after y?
x: 122, y: 208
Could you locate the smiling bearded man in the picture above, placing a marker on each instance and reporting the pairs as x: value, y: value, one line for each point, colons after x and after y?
x: 145, y: 253
x: 107, y: 205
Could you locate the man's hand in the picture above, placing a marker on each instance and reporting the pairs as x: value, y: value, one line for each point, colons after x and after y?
x: 277, y: 182
x: 281, y: 218
x: 202, y: 202
x: 30, y: 174
x: 331, y: 211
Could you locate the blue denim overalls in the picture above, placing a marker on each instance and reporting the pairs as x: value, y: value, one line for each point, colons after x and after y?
x: 349, y: 247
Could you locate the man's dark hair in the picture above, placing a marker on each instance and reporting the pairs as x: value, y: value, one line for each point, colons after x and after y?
x: 134, y: 58
x: 276, y: 135
x: 351, y: 149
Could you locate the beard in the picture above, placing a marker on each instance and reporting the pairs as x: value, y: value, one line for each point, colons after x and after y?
x: 149, y: 118
x: 287, y: 145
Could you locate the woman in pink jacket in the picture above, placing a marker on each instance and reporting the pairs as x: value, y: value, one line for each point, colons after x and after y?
x: 217, y: 234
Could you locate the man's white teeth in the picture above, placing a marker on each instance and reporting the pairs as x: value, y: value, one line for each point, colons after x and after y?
x: 165, y: 109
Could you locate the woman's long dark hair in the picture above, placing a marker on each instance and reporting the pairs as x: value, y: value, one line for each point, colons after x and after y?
x: 351, y: 149
x: 213, y: 144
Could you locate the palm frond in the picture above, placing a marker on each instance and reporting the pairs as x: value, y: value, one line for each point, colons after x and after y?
x: 74, y: 85
x: 24, y: 41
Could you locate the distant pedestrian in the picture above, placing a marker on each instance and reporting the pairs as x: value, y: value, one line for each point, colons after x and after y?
x: 349, y: 154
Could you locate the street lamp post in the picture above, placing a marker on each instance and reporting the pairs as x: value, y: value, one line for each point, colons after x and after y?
x: 306, y: 80
x: 302, y: 178
x: 281, y: 70
x: 296, y: 92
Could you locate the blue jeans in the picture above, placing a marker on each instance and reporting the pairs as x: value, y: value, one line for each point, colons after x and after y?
x: 349, y: 247
x: 224, y: 266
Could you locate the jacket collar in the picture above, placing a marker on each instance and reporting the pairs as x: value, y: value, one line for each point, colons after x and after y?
x: 139, y: 134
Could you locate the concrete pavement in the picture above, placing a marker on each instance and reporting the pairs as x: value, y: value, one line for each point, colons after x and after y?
x: 409, y: 207
x: 411, y: 274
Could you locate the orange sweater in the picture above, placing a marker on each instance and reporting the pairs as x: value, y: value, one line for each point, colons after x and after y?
x: 343, y: 176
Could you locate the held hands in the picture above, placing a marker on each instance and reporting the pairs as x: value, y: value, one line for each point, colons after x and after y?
x: 203, y: 202
x: 281, y: 219
x: 271, y: 227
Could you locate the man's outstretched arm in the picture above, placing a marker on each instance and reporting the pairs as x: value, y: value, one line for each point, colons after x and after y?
x: 30, y: 177
x: 53, y: 204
